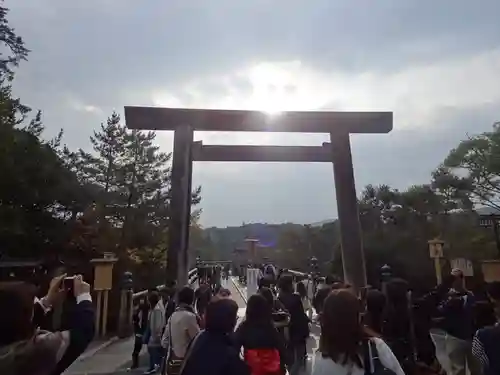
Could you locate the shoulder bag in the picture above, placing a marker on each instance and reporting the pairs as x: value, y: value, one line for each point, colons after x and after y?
x: 371, y: 357
x: 174, y: 364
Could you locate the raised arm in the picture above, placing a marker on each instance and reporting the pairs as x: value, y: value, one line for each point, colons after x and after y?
x: 81, y: 327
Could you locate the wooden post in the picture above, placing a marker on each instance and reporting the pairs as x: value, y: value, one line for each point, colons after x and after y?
x: 436, y: 253
x: 105, y: 312
x: 353, y: 259
x: 125, y: 327
x: 98, y: 313
x: 437, y: 269
x: 180, y: 207
x: 103, y: 282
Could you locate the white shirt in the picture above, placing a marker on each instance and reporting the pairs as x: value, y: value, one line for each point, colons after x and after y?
x: 253, y: 276
x: 326, y: 366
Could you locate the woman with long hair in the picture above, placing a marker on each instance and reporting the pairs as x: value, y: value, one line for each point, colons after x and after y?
x: 302, y: 292
x: 346, y: 346
x: 263, y: 347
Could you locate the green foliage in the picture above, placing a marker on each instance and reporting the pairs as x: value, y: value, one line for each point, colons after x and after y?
x: 73, y: 205
x: 474, y: 167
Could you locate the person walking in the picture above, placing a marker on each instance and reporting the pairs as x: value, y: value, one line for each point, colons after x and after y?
x: 203, y: 295
x: 454, y: 350
x: 181, y: 328
x: 212, y: 352
x: 346, y: 346
x: 298, y: 329
x: 306, y: 303
x: 263, y: 347
x: 140, y: 322
x: 156, y: 323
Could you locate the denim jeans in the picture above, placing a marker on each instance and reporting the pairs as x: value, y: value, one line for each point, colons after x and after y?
x: 156, y: 354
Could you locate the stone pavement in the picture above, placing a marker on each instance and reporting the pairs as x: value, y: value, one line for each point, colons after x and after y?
x: 105, y: 361
x: 115, y: 359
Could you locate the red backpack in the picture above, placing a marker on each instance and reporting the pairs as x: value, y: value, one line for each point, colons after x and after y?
x: 263, y: 361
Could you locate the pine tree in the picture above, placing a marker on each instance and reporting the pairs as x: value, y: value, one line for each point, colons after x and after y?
x: 108, y: 145
x: 146, y: 177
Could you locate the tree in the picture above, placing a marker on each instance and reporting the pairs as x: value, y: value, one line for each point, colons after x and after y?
x: 30, y: 197
x: 473, y: 168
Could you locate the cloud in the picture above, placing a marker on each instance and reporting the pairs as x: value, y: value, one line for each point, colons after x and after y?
x: 435, y: 64
x: 82, y: 107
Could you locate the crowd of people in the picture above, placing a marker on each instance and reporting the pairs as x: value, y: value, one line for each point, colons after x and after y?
x: 196, y: 331
x: 449, y: 330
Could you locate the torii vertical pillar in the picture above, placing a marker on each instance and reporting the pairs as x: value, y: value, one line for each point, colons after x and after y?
x: 353, y: 260
x: 180, y: 207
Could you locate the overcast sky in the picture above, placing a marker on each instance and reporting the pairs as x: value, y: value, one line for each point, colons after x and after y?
x: 436, y: 64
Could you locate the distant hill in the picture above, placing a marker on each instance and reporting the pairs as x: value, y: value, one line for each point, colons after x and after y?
x: 321, y: 223
x: 225, y: 240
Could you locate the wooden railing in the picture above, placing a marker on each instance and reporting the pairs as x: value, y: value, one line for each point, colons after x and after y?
x: 192, y: 278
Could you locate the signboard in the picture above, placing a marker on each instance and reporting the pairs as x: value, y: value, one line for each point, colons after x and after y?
x: 491, y: 271
x: 435, y: 249
x: 464, y: 265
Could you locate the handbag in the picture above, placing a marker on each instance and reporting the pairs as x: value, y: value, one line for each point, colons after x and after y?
x: 174, y: 364
x: 188, y: 352
x: 371, y: 357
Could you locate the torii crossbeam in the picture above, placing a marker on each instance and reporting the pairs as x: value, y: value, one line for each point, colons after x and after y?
x: 339, y: 125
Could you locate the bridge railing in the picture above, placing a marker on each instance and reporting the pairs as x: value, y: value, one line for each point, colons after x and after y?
x: 298, y: 274
x: 192, y: 278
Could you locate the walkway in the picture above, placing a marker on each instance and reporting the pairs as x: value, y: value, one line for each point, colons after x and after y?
x: 115, y: 359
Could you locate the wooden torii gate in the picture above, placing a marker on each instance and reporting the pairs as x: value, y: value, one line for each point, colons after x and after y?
x: 338, y: 151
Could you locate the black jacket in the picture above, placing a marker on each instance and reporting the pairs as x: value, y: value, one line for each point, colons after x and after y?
x: 140, y: 319
x: 214, y: 354
x: 260, y: 336
x: 82, y: 330
x: 299, y: 322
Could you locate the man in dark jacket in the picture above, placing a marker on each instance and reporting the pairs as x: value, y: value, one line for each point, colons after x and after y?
x: 140, y: 322
x: 212, y: 352
x: 203, y: 295
x: 458, y: 322
x: 322, y: 293
x: 298, y: 329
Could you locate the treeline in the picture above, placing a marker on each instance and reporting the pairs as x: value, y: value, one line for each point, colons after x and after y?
x: 59, y: 204
x: 397, y: 224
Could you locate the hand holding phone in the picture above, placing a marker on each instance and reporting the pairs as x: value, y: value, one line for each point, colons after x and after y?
x: 69, y: 285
